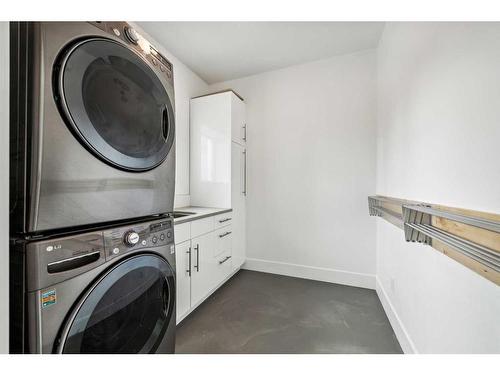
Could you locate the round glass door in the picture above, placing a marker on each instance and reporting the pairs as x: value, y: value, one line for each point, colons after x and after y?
x: 127, y: 311
x: 115, y: 104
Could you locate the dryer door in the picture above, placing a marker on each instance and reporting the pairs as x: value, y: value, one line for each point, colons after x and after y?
x: 115, y: 104
x: 127, y: 310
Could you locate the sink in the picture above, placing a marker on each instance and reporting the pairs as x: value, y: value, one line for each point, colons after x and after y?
x: 177, y: 214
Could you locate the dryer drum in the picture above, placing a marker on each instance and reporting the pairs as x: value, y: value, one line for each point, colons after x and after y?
x: 114, y: 104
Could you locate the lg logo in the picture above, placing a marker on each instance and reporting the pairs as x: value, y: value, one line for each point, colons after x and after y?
x: 53, y: 247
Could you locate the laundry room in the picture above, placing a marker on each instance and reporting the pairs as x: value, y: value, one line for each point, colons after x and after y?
x: 209, y: 185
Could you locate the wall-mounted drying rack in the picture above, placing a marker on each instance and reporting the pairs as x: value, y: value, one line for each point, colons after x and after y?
x: 386, y: 208
x: 469, y: 237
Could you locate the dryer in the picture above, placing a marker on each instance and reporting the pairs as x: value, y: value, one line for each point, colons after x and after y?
x: 108, y: 291
x: 92, y: 125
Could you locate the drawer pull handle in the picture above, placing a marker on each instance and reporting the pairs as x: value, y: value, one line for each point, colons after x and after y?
x: 224, y: 220
x: 225, y: 259
x: 224, y: 234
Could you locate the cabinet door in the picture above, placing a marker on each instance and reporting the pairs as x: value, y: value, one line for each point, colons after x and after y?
x: 238, y: 121
x: 238, y: 202
x: 204, y: 270
x: 210, y: 163
x: 183, y: 262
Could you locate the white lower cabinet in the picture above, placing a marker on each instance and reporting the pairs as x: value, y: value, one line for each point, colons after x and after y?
x: 203, y: 262
x: 203, y: 267
x: 183, y: 278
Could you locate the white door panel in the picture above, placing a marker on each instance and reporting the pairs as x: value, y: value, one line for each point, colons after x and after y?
x: 183, y: 279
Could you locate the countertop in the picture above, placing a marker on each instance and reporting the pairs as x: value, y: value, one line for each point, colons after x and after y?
x: 199, y: 213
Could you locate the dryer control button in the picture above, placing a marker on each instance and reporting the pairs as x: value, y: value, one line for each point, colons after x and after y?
x: 116, y: 250
x: 154, y: 239
x: 132, y: 35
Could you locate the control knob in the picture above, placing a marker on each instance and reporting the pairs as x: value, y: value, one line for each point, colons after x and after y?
x: 131, y: 238
x: 132, y: 35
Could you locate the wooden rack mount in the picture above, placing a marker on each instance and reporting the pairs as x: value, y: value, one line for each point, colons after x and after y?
x: 470, y: 237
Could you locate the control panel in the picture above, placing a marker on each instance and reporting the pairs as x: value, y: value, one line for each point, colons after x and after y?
x: 54, y: 260
x: 133, y: 39
x: 118, y: 241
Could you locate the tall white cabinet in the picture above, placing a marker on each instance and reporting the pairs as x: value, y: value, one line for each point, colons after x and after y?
x: 218, y: 170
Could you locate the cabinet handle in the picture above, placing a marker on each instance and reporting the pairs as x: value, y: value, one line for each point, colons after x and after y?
x: 224, y: 234
x: 245, y: 133
x: 189, y: 262
x: 197, y: 248
x: 244, y: 172
x: 225, y: 260
x: 224, y: 220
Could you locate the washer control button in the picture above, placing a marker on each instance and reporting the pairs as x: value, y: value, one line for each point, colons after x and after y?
x: 131, y: 238
x: 116, y: 250
x: 154, y: 239
x: 169, y: 234
x: 162, y: 237
x: 144, y: 242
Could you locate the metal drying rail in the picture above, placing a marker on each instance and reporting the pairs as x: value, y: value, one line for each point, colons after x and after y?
x: 418, y: 228
x: 464, y: 219
x: 418, y: 220
x: 376, y: 209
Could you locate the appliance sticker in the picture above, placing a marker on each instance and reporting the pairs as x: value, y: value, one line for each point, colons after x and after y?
x: 49, y: 298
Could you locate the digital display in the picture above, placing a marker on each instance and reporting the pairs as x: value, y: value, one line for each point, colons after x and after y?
x: 160, y: 226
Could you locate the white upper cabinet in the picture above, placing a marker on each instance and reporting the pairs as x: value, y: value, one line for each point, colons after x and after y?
x: 216, y: 120
x: 210, y: 164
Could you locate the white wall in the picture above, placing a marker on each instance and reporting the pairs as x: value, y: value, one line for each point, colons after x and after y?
x: 311, y: 166
x: 187, y: 85
x: 4, y: 187
x: 438, y: 141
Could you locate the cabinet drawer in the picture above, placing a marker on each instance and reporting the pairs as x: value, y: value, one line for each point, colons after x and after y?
x: 224, y: 264
x: 223, y: 219
x: 182, y: 232
x: 202, y: 226
x: 223, y: 239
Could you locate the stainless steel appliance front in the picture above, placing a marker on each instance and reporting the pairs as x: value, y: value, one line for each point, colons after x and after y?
x: 103, y: 291
x: 97, y: 142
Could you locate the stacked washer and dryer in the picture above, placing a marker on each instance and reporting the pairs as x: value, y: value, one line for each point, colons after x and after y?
x: 92, y: 185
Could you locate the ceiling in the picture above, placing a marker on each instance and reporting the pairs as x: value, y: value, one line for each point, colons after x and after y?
x: 220, y: 51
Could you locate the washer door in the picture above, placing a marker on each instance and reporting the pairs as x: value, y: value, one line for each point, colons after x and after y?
x: 127, y: 311
x: 115, y: 104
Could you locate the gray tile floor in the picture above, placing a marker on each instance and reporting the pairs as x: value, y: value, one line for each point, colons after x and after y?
x: 258, y: 312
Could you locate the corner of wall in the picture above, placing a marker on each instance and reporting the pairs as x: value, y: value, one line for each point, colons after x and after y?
x: 397, y: 324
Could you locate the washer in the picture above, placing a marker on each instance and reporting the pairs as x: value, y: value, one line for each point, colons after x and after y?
x: 110, y: 291
x: 93, y: 126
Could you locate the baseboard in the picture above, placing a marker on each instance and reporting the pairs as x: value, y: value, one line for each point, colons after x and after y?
x: 362, y: 280
x: 397, y: 325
